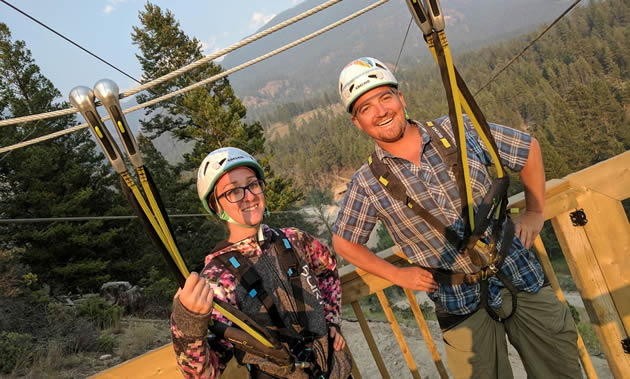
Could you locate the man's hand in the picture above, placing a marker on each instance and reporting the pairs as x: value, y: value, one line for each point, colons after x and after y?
x: 197, y: 295
x: 338, y: 341
x: 528, y: 226
x: 415, y: 278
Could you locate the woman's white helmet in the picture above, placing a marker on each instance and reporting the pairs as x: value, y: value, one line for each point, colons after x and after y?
x: 360, y: 76
x: 218, y: 163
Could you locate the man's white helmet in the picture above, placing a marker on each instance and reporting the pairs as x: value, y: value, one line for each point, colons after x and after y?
x: 218, y: 163
x: 360, y: 76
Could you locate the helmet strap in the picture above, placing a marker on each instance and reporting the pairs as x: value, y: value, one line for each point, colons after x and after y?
x: 226, y: 217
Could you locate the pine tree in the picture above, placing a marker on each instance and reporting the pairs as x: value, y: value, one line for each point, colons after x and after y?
x: 210, y: 116
x: 61, y: 177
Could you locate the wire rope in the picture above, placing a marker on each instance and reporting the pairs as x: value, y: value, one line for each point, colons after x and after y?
x: 205, y: 81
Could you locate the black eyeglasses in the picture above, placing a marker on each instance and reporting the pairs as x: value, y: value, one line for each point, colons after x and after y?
x: 237, y: 194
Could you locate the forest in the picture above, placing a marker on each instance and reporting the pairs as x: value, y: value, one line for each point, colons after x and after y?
x: 571, y: 90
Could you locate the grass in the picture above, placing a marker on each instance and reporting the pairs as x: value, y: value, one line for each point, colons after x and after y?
x: 130, y: 338
x: 590, y: 338
x: 138, y: 338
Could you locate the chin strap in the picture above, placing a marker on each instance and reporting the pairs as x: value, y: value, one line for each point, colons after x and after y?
x: 224, y: 216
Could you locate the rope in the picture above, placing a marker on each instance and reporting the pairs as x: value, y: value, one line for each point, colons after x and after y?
x: 44, y: 138
x: 527, y: 47
x: 92, y: 218
x: 255, y: 60
x: 71, y: 41
x: 402, y: 45
x: 184, y: 69
x: 211, y: 79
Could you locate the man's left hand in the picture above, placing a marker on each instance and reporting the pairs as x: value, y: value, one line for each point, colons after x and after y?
x: 528, y: 226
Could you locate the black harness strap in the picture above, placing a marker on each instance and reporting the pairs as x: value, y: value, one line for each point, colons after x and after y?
x: 244, y: 272
x: 496, y: 268
x: 496, y: 196
x: 453, y: 118
x: 396, y: 189
x: 290, y: 263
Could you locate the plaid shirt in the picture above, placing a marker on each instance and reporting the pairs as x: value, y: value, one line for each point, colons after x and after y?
x: 433, y: 186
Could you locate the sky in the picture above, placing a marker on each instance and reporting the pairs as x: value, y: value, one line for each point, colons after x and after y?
x: 104, y: 27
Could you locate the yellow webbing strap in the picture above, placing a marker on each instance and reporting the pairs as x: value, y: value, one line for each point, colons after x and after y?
x: 460, y: 125
x: 143, y: 204
x: 242, y: 325
x: 170, y: 243
x: 473, y: 119
x: 170, y: 246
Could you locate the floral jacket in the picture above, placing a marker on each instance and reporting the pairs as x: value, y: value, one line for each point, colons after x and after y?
x: 196, y: 356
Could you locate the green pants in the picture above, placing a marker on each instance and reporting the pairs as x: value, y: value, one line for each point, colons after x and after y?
x: 542, y: 331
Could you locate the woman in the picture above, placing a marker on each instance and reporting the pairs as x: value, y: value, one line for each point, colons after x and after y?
x: 284, y: 279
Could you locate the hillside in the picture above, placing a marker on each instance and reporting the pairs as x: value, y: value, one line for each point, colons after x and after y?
x: 571, y: 91
x: 308, y: 69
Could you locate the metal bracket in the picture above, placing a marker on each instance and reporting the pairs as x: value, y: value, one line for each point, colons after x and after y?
x: 578, y: 218
x: 626, y: 345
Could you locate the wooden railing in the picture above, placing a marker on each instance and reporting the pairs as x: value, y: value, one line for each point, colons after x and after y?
x: 597, y: 252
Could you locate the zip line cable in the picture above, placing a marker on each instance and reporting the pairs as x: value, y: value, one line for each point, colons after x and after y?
x: 71, y: 41
x: 82, y: 48
x: 527, y: 47
x: 186, y: 89
x: 106, y: 218
x: 403, y: 44
x: 184, y: 69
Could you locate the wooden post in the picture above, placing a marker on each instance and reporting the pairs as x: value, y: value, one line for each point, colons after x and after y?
x: 608, y: 231
x: 398, y: 333
x: 590, y: 281
x: 426, y: 334
x: 370, y: 340
x: 543, y: 257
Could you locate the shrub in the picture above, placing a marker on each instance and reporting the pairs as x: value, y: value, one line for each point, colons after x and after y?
x: 16, y: 350
x: 100, y: 312
x: 158, y: 293
x: 137, y: 339
x: 72, y: 332
x: 106, y: 342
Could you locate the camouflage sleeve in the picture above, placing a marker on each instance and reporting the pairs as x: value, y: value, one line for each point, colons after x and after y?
x: 196, y: 357
x: 323, y: 264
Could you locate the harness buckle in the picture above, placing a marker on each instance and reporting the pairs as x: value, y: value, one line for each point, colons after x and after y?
x: 490, y: 269
x: 493, y: 269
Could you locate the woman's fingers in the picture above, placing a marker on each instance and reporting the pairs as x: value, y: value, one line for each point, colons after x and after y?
x: 197, y: 295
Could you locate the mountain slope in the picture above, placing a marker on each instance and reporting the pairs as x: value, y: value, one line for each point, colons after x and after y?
x: 313, y: 66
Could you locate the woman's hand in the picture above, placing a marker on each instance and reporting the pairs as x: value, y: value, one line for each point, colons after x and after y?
x: 197, y: 295
x: 338, y: 341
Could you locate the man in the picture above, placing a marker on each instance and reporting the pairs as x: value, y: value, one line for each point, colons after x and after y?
x: 539, y: 327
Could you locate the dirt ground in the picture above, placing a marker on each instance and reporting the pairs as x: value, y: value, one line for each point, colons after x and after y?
x: 395, y: 361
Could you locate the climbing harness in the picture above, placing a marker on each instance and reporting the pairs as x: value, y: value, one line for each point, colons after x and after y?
x: 153, y: 216
x: 484, y: 253
x: 299, y: 339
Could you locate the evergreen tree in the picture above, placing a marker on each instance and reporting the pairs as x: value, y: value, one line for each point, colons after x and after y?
x: 61, y: 177
x: 210, y: 116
